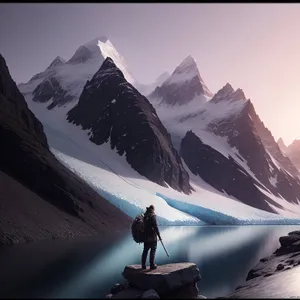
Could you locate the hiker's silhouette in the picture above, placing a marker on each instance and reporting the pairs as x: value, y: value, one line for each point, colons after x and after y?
x: 151, y: 233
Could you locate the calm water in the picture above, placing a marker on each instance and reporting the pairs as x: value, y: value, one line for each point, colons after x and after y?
x: 87, y: 268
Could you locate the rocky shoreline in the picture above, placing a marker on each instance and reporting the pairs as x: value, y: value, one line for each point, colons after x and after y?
x: 180, y: 280
x: 262, y: 279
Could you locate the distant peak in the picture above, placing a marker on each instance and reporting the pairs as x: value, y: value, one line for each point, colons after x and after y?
x: 239, y: 94
x: 226, y: 90
x: 228, y: 87
x: 228, y: 93
x: 81, y: 55
x: 189, y: 59
x: 187, y: 63
x: 56, y: 62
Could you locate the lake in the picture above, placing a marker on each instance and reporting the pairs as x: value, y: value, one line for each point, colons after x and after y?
x: 87, y: 268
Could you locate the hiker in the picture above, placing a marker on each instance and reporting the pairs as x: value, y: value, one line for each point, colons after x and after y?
x: 151, y: 232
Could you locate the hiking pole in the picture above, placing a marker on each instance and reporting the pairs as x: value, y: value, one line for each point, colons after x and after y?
x: 164, y: 248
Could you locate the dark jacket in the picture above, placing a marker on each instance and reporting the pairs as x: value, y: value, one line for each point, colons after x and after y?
x: 150, y: 226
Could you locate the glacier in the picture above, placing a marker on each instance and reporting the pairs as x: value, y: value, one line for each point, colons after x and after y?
x: 111, y: 176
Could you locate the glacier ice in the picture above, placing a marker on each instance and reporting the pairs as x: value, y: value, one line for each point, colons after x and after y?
x: 111, y: 176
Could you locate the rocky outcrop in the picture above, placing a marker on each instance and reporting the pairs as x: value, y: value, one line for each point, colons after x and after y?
x: 177, y: 280
x: 114, y: 111
x: 51, y: 89
x: 270, y: 144
x: 224, y: 174
x: 285, y: 258
x: 26, y: 158
x: 245, y: 132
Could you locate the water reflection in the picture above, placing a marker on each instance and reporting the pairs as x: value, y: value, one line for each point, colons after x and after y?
x: 86, y: 268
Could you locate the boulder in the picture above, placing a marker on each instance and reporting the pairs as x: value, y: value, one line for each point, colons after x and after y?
x: 166, y: 279
x: 289, y: 240
x: 280, y: 267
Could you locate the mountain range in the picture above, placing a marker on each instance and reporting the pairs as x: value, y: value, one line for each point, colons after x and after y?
x: 41, y: 198
x: 199, y: 157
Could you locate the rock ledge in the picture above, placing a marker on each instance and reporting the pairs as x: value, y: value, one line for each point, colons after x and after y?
x: 178, y: 280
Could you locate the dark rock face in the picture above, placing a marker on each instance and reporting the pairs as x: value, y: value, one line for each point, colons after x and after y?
x: 81, y: 55
x: 115, y: 111
x: 247, y: 133
x: 227, y: 93
x: 220, y: 172
x: 172, y: 95
x: 259, y: 285
x: 58, y: 61
x: 270, y: 143
x: 183, y: 85
x: 287, y: 256
x: 51, y: 89
x: 26, y: 157
x: 166, y: 280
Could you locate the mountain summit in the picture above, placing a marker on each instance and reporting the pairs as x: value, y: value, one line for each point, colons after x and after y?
x: 183, y: 85
x: 114, y: 111
x: 62, y: 82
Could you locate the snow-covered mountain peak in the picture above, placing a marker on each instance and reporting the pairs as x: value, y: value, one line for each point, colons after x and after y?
x: 96, y: 51
x: 82, y: 55
x: 108, y: 64
x: 239, y: 95
x: 70, y: 77
x: 227, y: 93
x: 107, y: 49
x: 188, y: 63
x: 186, y: 71
x: 107, y: 68
x: 184, y: 85
x: 56, y: 62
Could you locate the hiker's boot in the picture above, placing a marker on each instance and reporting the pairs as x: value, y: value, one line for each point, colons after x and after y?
x: 153, y: 267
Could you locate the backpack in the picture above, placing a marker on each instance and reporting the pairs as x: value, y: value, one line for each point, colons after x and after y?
x: 137, y: 229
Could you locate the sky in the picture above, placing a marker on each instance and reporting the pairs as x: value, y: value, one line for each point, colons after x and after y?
x: 255, y: 47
